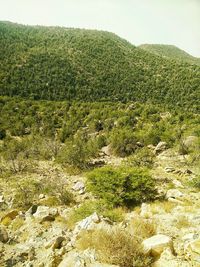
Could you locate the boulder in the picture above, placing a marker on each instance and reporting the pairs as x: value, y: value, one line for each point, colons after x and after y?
x: 156, y: 244
x: 87, y: 223
x: 174, y: 193
x: 78, y: 186
x: 161, y: 146
x: 3, y: 235
x: 44, y: 213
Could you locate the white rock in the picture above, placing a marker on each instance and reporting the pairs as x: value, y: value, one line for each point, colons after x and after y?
x: 177, y: 184
x: 161, y: 146
x: 78, y: 186
x: 156, y: 244
x: 145, y: 210
x: 2, y: 199
x: 44, y: 212
x: 169, y: 169
x: 174, y: 193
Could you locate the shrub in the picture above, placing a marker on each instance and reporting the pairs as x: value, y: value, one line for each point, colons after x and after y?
x: 123, y: 142
x: 143, y: 157
x: 78, y: 152
x: 121, y: 186
x: 116, y: 246
x: 88, y: 208
x: 142, y: 228
x: 2, y: 134
x: 196, y: 182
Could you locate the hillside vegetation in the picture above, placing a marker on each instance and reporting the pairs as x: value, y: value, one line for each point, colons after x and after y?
x: 171, y: 52
x: 56, y: 63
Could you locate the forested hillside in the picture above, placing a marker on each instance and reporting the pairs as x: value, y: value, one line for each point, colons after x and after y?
x: 56, y: 63
x: 171, y: 52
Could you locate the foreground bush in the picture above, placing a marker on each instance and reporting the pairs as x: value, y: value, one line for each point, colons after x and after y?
x: 121, y: 186
x: 116, y: 246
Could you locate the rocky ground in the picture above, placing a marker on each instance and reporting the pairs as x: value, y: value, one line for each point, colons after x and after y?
x: 40, y: 236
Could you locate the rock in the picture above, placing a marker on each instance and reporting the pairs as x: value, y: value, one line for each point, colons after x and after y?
x: 3, y: 235
x: 192, y: 251
x: 156, y: 244
x: 41, y: 196
x: 145, y: 210
x: 11, y: 215
x: 78, y: 186
x: 169, y: 169
x: 161, y: 146
x: 87, y: 223
x: 167, y: 259
x: 32, y: 210
x: 174, y: 193
x: 190, y: 237
x: 174, y: 200
x: 177, y: 184
x: 45, y: 213
x: 78, y: 259
x: 2, y: 199
x: 58, y: 242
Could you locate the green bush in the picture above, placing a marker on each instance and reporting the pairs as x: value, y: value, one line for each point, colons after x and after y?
x: 121, y: 186
x: 143, y: 157
x: 123, y: 142
x: 2, y: 134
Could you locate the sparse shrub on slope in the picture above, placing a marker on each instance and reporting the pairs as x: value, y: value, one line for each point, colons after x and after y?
x: 123, y: 142
x: 115, y: 247
x: 121, y: 186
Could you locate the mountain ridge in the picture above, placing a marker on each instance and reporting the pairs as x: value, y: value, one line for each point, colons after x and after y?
x: 56, y: 63
x: 171, y: 52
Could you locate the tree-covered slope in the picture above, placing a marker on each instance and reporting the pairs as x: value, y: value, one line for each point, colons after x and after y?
x: 60, y: 63
x: 170, y: 51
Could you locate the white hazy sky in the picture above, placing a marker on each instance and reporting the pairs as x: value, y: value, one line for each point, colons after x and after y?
x: 139, y: 21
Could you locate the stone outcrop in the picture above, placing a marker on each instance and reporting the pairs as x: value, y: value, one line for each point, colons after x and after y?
x: 156, y: 244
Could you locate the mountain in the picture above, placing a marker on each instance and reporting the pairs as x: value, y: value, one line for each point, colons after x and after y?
x: 170, y: 51
x: 56, y: 63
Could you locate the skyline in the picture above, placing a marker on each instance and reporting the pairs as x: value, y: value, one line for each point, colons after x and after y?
x: 174, y: 22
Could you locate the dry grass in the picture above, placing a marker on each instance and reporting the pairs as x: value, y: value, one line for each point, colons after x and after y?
x: 116, y: 246
x: 182, y: 222
x: 142, y: 228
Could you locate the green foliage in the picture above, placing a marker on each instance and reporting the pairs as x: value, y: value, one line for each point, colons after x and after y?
x: 54, y: 63
x: 171, y: 52
x: 78, y: 152
x: 143, y: 157
x: 123, y: 142
x: 121, y: 186
x: 196, y: 182
x: 2, y: 134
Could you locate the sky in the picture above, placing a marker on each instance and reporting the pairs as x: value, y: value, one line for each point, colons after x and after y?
x: 174, y: 22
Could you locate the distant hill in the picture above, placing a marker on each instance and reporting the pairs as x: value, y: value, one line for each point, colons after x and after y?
x: 170, y: 51
x: 58, y: 63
